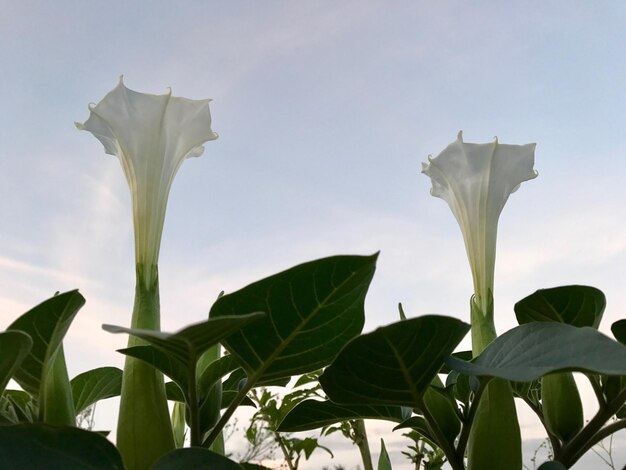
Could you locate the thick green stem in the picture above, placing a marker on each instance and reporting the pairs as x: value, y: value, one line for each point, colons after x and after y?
x: 144, y: 431
x: 360, y: 439
x: 586, y: 438
x: 494, y: 439
x: 483, y: 327
x: 57, y: 402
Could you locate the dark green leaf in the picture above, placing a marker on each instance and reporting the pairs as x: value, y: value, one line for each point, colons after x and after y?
x: 419, y: 424
x: 253, y: 466
x: 313, y: 414
x: 530, y: 351
x: 94, y: 385
x: 14, y: 347
x: 215, y: 371
x: 46, y: 324
x: 176, y: 354
x: 192, y: 341
x: 173, y: 392
x: 444, y: 411
x: 194, y: 457
x: 619, y: 331
x: 552, y: 466
x: 160, y: 360
x: 312, y: 311
x: 26, y: 446
x: 574, y: 305
x: 395, y: 364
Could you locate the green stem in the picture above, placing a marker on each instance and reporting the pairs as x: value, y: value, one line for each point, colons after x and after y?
x: 360, y: 439
x: 285, y: 451
x: 494, y: 440
x: 483, y: 327
x: 586, y: 438
x: 144, y: 430
x: 57, y: 403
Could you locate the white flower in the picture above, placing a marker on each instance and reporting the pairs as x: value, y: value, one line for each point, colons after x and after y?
x: 476, y: 181
x: 151, y: 135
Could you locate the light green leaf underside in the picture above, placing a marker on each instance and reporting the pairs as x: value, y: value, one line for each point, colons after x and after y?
x: 530, y: 351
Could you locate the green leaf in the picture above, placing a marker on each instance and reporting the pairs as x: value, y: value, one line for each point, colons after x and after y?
x: 25, y: 446
x: 14, y: 347
x: 552, y: 466
x: 47, y: 324
x: 312, y: 309
x: 395, y: 364
x: 194, y: 457
x: 313, y: 414
x: 383, y: 459
x: 574, y: 305
x: 94, y: 385
x: 22, y: 404
x: 530, y: 351
x: 253, y: 466
x: 419, y: 424
x: 176, y: 354
x: 444, y: 411
x: 619, y: 331
x: 173, y: 392
x: 215, y: 371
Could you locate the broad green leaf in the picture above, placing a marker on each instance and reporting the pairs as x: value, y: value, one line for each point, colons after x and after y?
x: 312, y: 309
x: 35, y: 446
x: 194, y: 457
x: 530, y: 351
x: 313, y: 414
x: 395, y: 364
x: 94, y: 385
x: 160, y: 360
x: 176, y: 354
x: 14, y: 347
x: 383, y: 459
x: 193, y: 340
x: 574, y: 305
x: 46, y: 324
x: 253, y: 466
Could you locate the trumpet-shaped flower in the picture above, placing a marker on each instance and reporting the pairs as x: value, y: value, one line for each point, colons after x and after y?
x: 151, y: 135
x: 476, y: 181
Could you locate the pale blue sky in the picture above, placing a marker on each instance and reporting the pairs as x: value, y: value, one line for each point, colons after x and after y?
x: 325, y: 111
